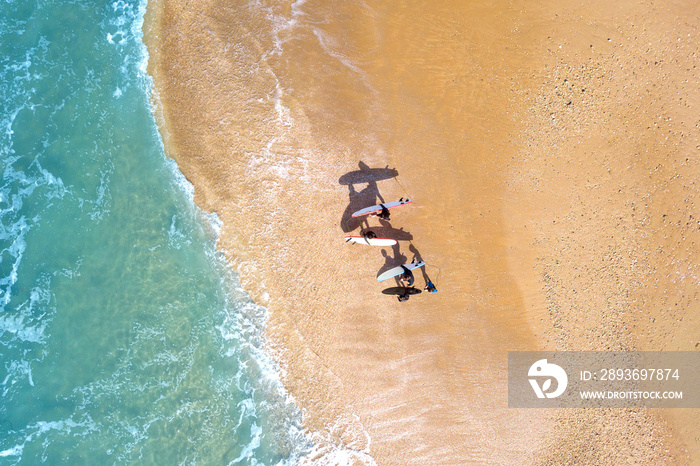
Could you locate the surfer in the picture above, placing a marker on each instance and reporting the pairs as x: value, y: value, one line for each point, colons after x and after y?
x: 384, y: 214
x: 370, y: 235
x: 405, y: 292
x: 407, y: 275
x: 430, y: 287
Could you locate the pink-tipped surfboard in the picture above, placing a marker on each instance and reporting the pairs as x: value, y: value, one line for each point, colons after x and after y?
x: 370, y: 241
x: 399, y: 270
x: 378, y: 207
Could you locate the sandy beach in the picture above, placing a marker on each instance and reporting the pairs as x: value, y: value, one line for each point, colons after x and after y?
x: 551, y: 153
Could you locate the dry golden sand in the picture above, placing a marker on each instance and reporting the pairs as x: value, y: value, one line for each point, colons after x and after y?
x: 552, y: 155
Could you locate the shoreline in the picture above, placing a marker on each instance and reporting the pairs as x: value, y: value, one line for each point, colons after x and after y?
x: 384, y: 378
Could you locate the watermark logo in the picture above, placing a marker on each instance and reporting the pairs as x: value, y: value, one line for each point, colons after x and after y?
x: 542, y: 368
x: 604, y: 379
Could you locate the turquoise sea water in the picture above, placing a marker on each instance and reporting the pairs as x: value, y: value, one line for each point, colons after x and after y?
x: 124, y: 336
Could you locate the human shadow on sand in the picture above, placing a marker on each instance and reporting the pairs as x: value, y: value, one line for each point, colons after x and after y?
x: 391, y: 261
x: 366, y: 197
x: 417, y: 257
x: 387, y: 231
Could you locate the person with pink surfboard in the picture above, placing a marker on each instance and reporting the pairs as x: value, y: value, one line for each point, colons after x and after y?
x: 381, y: 210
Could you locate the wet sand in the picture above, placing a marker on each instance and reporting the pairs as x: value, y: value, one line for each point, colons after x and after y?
x: 552, y: 156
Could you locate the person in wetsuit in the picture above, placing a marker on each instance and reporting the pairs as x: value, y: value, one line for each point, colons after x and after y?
x: 403, y: 297
x: 384, y: 214
x: 407, y: 275
x: 405, y: 292
x: 430, y: 287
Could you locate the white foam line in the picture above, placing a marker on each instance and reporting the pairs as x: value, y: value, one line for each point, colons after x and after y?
x: 324, y: 41
x: 280, y: 24
x: 283, y: 113
x: 14, y: 451
x: 41, y: 428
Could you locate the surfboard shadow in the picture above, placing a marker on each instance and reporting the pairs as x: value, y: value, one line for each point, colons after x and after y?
x: 368, y: 175
x: 400, y: 290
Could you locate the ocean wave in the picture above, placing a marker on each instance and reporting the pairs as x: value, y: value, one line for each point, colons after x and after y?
x: 41, y: 429
x: 123, y: 29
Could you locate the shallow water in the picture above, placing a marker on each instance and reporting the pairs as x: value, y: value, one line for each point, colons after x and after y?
x: 124, y: 335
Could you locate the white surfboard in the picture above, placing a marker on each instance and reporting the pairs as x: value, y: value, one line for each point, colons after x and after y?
x: 378, y: 207
x: 399, y: 270
x: 370, y: 241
